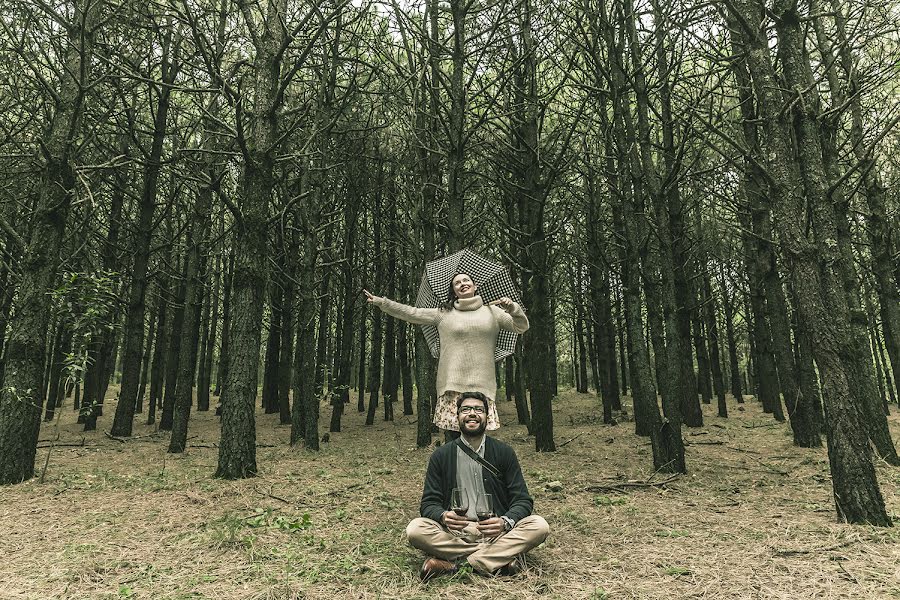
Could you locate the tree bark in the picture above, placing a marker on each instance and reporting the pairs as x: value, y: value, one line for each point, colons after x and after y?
x: 134, y: 319
x: 733, y: 363
x: 21, y: 400
x: 856, y: 493
x: 174, y: 350
x: 273, y: 349
x: 840, y: 278
x: 201, y: 222
x: 237, y: 447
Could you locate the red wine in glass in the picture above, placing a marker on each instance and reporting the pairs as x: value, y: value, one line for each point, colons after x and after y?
x: 459, y: 502
x: 484, y: 507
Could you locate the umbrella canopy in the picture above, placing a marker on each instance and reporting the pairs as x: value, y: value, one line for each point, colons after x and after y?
x: 493, y: 281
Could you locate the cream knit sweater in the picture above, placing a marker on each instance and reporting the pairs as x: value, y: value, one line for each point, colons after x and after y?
x: 468, y: 335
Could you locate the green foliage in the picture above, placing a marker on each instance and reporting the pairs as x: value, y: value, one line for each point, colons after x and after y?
x: 86, y: 303
x: 264, y: 517
x: 608, y: 501
x: 573, y: 518
x: 387, y: 501
x: 599, y: 594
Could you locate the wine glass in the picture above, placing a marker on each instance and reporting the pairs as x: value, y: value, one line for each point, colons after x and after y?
x: 459, y: 501
x: 484, y: 507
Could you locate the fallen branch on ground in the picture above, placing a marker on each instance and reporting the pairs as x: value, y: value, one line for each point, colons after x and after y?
x: 271, y: 495
x: 132, y: 438
x: 623, y: 486
x: 843, y: 544
x: 48, y: 443
x: 571, y: 440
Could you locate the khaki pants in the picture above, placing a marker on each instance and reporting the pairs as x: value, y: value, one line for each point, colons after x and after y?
x: 485, y: 555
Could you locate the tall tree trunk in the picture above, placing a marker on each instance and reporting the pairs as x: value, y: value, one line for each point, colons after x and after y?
x: 61, y: 345
x: 734, y: 368
x: 628, y: 206
x: 667, y: 190
x: 827, y: 225
x: 361, y: 366
x: 204, y: 377
x: 237, y: 447
x: 800, y: 410
x: 758, y: 260
x: 286, y: 354
x: 600, y: 314
x: 273, y: 349
x: 429, y: 160
x: 540, y: 360
x: 623, y: 340
x: 137, y: 303
x: 152, y: 338
x: 875, y: 192
x: 710, y: 312
x: 174, y: 350
x: 389, y: 385
x: 456, y: 139
x: 222, y: 371
x: 405, y: 375
x: 350, y: 292
x: 324, y: 322
x: 201, y: 222
x: 157, y: 375
x: 377, y: 318
x: 21, y: 400
x: 857, y: 496
x: 305, y: 408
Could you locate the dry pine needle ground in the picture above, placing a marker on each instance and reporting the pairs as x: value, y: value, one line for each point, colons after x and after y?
x: 754, y: 519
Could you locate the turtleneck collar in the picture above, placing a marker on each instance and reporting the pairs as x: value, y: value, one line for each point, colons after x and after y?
x: 473, y: 303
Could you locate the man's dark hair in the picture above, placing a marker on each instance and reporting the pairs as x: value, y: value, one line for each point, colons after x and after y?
x: 476, y: 395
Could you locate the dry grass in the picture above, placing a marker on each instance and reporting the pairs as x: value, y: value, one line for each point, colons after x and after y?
x: 754, y: 519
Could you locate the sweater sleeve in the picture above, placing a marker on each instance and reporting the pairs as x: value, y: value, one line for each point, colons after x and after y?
x: 514, y: 320
x: 433, y: 504
x: 520, y: 502
x: 411, y: 314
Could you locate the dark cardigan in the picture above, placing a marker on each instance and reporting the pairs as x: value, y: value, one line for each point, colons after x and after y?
x: 511, y: 498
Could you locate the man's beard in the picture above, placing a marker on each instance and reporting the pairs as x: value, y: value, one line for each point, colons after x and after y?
x: 482, y: 425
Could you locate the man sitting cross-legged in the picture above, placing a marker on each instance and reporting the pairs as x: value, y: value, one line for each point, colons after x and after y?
x: 492, y: 545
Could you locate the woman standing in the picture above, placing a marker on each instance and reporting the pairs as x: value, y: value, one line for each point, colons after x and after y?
x: 468, y: 331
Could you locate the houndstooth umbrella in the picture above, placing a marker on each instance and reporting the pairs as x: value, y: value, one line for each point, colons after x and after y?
x: 493, y: 281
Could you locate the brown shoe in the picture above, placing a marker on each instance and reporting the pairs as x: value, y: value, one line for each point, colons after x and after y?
x: 433, y: 567
x: 515, y: 567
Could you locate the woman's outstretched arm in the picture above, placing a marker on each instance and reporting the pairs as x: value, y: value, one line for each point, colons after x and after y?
x: 510, y: 315
x: 410, y: 314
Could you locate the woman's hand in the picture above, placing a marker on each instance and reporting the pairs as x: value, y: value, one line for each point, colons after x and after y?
x: 504, y: 303
x: 369, y: 296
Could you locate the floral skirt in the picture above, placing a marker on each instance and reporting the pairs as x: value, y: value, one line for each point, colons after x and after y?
x: 445, y: 412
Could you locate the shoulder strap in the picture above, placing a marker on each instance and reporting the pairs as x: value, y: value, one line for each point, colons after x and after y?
x: 479, y: 459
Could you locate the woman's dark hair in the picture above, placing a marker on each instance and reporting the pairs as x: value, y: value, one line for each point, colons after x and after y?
x: 476, y: 395
x: 451, y: 296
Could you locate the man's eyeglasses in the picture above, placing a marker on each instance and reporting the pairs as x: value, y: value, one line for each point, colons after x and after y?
x: 478, y: 410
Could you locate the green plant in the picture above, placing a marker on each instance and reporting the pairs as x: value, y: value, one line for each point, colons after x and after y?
x: 608, y: 501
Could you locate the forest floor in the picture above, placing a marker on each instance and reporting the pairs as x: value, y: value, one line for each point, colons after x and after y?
x: 753, y: 519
